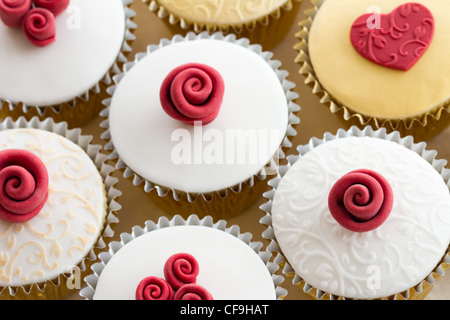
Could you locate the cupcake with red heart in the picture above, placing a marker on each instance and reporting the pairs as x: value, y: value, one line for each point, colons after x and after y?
x: 388, y: 65
x: 57, y: 55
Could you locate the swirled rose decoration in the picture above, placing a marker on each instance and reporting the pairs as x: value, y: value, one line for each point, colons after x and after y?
x: 192, y: 92
x: 13, y: 11
x: 193, y: 292
x: 181, y: 269
x: 39, y: 27
x: 361, y: 200
x: 154, y: 288
x: 37, y: 18
x: 180, y: 272
x: 55, y: 6
x: 23, y: 185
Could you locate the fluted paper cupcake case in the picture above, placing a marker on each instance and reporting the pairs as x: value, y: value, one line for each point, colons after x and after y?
x: 254, y: 29
x: 56, y: 288
x: 422, y: 127
x: 416, y: 292
x: 84, y: 107
x: 193, y: 220
x: 204, y: 199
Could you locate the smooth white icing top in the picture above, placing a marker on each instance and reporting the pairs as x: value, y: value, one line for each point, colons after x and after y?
x: 229, y: 268
x: 395, y: 257
x: 222, y: 11
x: 70, y: 222
x: 366, y: 87
x: 254, y: 114
x: 89, y: 37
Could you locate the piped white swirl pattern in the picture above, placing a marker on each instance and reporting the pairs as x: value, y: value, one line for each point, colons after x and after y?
x: 70, y: 222
x: 379, y: 263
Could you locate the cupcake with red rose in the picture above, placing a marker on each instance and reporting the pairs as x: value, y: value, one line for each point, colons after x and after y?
x: 57, y: 56
x: 200, y: 122
x: 184, y: 259
x: 389, y: 65
x: 361, y: 215
x: 57, y: 207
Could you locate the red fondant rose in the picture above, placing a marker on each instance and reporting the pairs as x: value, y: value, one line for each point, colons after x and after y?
x: 55, y: 6
x: 192, y: 292
x: 39, y: 26
x: 23, y: 185
x: 192, y: 92
x: 181, y: 269
x: 361, y: 200
x: 13, y: 11
x: 154, y: 288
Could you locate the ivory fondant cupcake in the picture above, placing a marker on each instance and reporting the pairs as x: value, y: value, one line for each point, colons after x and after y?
x: 56, y: 56
x: 260, y: 21
x: 389, y: 67
x: 200, y: 121
x: 361, y: 215
x: 182, y: 259
x: 56, y: 207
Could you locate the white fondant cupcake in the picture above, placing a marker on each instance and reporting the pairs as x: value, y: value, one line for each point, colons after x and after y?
x: 211, y: 248
x: 260, y: 21
x: 66, y: 78
x: 334, y: 244
x: 49, y: 238
x: 215, y: 162
x: 382, y: 73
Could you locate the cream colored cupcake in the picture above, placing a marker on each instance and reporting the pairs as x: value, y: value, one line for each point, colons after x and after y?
x: 355, y: 69
x: 262, y: 21
x: 49, y: 239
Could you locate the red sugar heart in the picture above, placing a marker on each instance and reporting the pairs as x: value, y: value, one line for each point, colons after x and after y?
x: 400, y: 38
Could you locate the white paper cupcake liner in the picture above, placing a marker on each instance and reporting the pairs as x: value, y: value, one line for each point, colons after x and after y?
x: 270, y: 168
x: 20, y: 108
x: 193, y: 220
x: 354, y: 131
x: 38, y: 290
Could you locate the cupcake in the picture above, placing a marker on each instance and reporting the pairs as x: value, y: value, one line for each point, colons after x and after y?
x: 219, y: 263
x: 261, y: 21
x: 57, y: 207
x: 389, y: 66
x: 56, y: 57
x: 200, y: 122
x: 361, y: 215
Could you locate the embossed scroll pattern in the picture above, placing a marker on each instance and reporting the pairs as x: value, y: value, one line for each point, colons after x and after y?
x: 69, y: 222
x: 402, y: 251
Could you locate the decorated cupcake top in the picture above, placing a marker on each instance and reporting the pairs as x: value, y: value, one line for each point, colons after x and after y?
x: 52, y: 206
x: 47, y: 46
x: 228, y: 12
x: 184, y: 262
x: 392, y: 54
x: 362, y: 217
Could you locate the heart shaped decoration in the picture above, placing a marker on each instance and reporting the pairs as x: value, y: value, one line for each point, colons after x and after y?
x: 396, y: 40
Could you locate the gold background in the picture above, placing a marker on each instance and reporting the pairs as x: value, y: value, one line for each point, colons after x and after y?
x: 316, y: 119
